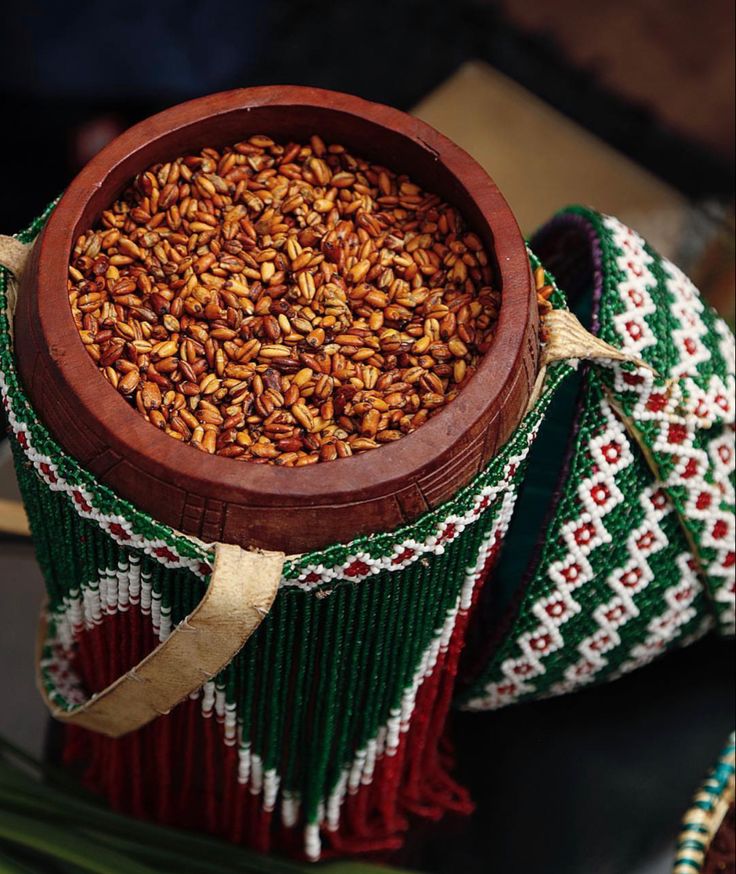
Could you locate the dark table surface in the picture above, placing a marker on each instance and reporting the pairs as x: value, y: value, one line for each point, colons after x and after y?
x: 592, y: 783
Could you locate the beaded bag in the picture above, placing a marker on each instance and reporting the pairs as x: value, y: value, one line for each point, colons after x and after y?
x: 322, y: 735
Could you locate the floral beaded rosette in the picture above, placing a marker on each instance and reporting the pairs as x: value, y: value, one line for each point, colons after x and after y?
x: 322, y: 734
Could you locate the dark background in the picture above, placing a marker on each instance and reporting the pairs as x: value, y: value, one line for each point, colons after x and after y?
x: 652, y: 77
x: 594, y: 783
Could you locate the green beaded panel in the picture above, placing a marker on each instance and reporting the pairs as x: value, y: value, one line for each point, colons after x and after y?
x: 683, y: 416
x: 619, y: 578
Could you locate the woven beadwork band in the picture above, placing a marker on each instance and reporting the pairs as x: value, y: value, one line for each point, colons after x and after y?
x: 637, y: 552
x: 702, y: 821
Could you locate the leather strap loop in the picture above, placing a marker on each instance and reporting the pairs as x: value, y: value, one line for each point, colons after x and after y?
x: 565, y: 339
x: 13, y: 257
x: 13, y: 254
x: 240, y: 593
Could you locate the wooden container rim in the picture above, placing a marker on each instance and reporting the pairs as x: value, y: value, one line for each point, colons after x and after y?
x: 361, y: 477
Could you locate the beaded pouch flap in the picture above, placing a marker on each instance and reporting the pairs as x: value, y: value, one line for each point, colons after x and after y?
x: 637, y: 552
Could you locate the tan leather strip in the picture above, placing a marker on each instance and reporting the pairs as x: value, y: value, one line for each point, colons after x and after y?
x: 567, y: 339
x: 13, y: 519
x: 13, y: 254
x: 240, y: 593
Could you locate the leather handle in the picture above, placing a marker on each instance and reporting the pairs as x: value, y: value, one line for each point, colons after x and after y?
x: 13, y: 257
x: 241, y: 590
x: 240, y: 593
x: 13, y: 254
x: 566, y: 340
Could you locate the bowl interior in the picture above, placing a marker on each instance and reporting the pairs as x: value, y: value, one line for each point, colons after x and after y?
x: 404, y: 151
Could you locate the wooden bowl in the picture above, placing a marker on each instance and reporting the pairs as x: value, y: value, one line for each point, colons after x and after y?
x: 218, y: 499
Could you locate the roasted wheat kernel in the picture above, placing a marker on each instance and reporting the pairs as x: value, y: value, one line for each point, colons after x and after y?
x: 283, y: 304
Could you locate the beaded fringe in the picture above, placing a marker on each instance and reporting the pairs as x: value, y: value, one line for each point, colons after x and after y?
x: 327, y: 721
